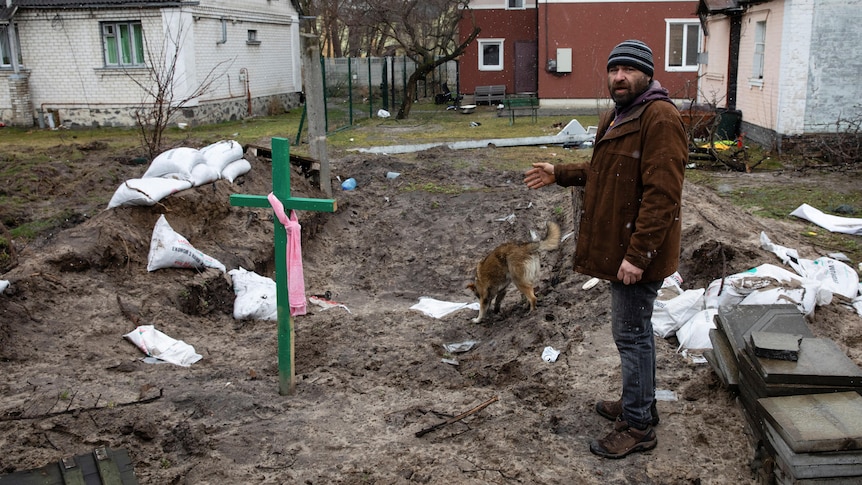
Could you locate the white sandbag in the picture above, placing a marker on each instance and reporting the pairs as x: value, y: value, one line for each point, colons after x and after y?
x: 694, y: 334
x: 833, y: 275
x: 255, y: 296
x: 669, y: 315
x: 235, y: 169
x: 176, y: 163
x: 156, y: 344
x: 221, y: 153
x: 168, y: 249
x: 766, y: 284
x: 146, y: 191
x: 3, y: 285
x: 203, y: 174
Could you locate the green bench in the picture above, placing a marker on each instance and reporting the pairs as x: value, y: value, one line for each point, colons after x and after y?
x: 521, y: 103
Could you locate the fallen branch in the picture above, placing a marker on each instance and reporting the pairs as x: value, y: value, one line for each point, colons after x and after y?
x: 457, y: 418
x: 21, y: 417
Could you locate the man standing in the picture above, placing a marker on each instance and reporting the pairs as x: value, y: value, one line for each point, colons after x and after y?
x: 630, y: 229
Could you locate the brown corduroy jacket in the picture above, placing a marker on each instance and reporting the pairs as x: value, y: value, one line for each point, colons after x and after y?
x: 632, y: 194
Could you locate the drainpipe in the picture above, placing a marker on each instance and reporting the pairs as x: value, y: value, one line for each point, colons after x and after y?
x: 223, y: 32
x: 733, y: 54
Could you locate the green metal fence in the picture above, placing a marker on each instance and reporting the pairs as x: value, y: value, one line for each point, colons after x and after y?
x: 357, y: 88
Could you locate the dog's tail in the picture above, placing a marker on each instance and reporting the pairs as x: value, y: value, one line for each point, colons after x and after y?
x: 552, y: 238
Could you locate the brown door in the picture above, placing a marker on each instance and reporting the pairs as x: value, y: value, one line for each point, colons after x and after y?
x: 526, y: 66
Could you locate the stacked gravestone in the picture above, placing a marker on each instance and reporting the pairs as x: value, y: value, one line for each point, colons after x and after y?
x: 800, y: 394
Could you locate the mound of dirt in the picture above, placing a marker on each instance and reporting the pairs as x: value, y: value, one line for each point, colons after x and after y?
x: 369, y: 375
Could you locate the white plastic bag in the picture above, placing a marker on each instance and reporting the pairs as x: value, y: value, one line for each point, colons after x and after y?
x: 176, y: 163
x: 694, y: 334
x: 255, y: 296
x: 146, y: 191
x: 844, y: 225
x: 235, y: 169
x: 156, y: 344
x: 784, y: 254
x: 221, y: 153
x: 168, y: 249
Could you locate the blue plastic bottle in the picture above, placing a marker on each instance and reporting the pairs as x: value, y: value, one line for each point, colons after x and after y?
x: 348, y: 184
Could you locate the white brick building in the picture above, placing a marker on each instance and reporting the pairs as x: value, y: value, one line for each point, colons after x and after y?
x: 82, y: 63
x: 790, y: 66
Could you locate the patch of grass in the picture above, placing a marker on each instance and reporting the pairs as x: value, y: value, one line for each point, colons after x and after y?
x: 30, y: 230
x: 778, y: 201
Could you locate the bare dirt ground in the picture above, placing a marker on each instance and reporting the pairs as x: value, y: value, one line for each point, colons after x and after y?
x: 369, y: 379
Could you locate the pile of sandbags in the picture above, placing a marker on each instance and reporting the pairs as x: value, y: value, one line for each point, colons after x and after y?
x: 182, y: 168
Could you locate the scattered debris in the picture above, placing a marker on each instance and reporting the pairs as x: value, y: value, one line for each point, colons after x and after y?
x: 457, y: 418
x: 550, y: 354
x: 438, y: 309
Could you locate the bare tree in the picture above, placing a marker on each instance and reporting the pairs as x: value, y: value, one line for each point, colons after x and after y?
x: 343, y: 28
x: 161, y: 97
x: 425, y: 30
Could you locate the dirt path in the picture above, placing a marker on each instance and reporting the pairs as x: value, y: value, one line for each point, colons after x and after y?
x: 370, y: 378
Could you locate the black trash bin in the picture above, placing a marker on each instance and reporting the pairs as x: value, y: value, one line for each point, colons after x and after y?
x: 729, y: 121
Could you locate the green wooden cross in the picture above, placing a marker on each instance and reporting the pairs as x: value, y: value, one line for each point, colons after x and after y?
x: 281, y: 189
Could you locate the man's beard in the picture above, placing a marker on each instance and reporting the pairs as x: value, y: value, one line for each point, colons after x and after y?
x: 634, y: 89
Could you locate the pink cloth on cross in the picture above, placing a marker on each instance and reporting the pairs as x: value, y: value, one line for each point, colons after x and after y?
x: 295, y: 277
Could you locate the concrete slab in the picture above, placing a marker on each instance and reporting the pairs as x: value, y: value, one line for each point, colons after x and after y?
x: 816, y: 422
x: 739, y: 322
x: 758, y: 388
x: 725, y: 365
x: 820, y: 363
x: 773, y: 345
x: 812, y: 466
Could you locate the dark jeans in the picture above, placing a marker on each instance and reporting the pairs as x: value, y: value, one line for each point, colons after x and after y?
x: 631, y: 322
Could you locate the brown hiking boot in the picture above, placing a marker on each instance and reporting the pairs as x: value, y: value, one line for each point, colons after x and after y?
x: 623, y: 441
x: 614, y: 409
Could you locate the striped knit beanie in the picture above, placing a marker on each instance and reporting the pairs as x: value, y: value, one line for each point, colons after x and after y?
x: 633, y: 53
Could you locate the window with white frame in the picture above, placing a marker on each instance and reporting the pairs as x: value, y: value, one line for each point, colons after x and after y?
x: 123, y: 44
x: 682, y: 45
x: 515, y: 4
x: 759, y: 50
x: 490, y: 54
x: 6, y: 50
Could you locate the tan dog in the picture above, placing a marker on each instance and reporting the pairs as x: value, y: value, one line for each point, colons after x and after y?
x: 517, y: 263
